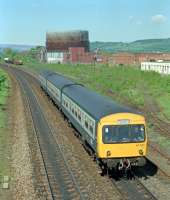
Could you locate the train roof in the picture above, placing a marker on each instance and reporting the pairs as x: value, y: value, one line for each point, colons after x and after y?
x: 45, y: 73
x: 95, y: 104
x: 56, y: 79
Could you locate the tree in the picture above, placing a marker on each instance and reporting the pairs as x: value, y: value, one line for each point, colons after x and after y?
x: 8, y: 52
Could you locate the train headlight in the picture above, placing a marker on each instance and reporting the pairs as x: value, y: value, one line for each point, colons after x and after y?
x: 141, y: 152
x: 108, y: 153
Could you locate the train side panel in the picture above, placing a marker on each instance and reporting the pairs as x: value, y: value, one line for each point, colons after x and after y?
x: 84, y: 123
x: 42, y: 81
x: 54, y: 92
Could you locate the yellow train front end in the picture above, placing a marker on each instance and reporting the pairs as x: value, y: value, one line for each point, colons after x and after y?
x: 122, y: 140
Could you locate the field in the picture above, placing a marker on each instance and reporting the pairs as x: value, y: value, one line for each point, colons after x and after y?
x: 4, y: 134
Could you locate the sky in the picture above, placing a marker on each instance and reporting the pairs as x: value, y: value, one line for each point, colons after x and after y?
x: 27, y: 21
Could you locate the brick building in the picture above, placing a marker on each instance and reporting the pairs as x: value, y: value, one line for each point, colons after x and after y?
x: 136, y: 58
x: 123, y: 58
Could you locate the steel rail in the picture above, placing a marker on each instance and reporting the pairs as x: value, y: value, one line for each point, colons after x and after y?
x: 133, y: 189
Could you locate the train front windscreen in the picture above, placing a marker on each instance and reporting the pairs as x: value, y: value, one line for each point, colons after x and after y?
x: 123, y: 133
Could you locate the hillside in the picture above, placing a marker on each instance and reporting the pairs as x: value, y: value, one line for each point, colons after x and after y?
x: 148, y: 45
x: 16, y: 47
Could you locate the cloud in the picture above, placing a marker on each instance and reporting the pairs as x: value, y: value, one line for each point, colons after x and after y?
x: 158, y: 19
x: 139, y: 22
x: 131, y: 18
x: 134, y: 21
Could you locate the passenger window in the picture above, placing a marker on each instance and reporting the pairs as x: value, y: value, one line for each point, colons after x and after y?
x: 82, y: 116
x: 75, y: 113
x: 91, y: 129
x: 79, y: 117
x: 86, y: 124
x: 73, y: 110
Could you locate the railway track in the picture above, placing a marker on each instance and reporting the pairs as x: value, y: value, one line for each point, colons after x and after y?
x: 163, y: 155
x: 133, y: 190
x: 61, y: 181
x: 161, y: 125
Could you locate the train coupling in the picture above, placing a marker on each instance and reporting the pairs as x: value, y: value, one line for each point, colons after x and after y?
x: 124, y: 164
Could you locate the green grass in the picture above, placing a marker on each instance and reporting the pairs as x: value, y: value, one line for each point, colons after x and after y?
x: 126, y: 85
x: 4, y: 90
x: 162, y: 141
x: 4, y: 134
x: 164, y: 102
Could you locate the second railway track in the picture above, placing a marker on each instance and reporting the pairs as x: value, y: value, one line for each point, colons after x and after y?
x: 133, y: 190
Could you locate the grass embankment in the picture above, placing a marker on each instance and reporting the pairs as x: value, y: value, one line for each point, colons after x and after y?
x: 4, y: 133
x: 126, y: 85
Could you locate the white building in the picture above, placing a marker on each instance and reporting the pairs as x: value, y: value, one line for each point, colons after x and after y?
x: 159, y: 66
x: 55, y: 57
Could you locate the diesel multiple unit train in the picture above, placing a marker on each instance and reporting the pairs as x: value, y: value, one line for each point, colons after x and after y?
x: 116, y: 135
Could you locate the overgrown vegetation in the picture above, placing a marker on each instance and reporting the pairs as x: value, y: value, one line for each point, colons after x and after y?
x: 4, y: 135
x: 29, y: 56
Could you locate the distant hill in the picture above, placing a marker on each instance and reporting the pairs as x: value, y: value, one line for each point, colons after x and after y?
x: 16, y: 47
x: 148, y: 45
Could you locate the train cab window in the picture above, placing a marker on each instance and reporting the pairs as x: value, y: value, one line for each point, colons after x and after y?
x: 138, y: 133
x: 110, y: 134
x: 123, y: 133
